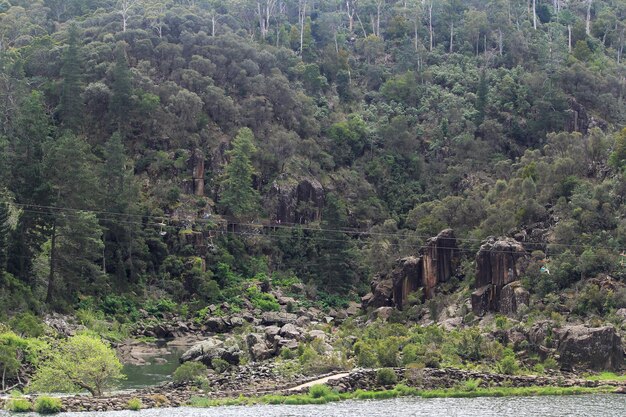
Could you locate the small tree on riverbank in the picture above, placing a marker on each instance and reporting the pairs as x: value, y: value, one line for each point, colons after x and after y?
x: 80, y: 363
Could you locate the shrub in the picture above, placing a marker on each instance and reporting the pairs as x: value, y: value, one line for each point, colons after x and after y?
x: 134, y: 404
x: 160, y: 400
x: 550, y: 363
x: 27, y: 324
x: 48, y: 405
x: 386, y: 377
x: 220, y: 365
x: 471, y: 385
x: 19, y: 405
x: 508, y: 364
x: 189, y: 372
x: 320, y: 391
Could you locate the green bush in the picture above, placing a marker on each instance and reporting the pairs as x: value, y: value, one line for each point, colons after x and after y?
x: 189, y: 372
x: 471, y: 385
x: 48, y: 405
x: 134, y: 404
x: 220, y: 365
x: 508, y: 364
x: 550, y: 363
x: 19, y: 405
x: 320, y: 391
x: 386, y: 377
x: 27, y: 324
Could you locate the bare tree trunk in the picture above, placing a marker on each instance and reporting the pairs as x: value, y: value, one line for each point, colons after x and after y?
x: 588, y: 22
x: 569, y: 37
x: 302, y: 18
x: 350, y: 13
x: 500, y: 41
x: 451, y: 36
x: 535, y: 14
x: 361, y: 24
x: 430, y: 24
x: 620, y: 49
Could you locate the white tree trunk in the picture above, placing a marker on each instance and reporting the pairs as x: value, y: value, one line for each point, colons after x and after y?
x: 588, y: 22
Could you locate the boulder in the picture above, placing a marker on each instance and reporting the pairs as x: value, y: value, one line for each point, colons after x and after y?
x: 289, y: 331
x: 271, y: 332
x: 277, y: 318
x: 436, y: 263
x: 598, y: 348
x: 513, y: 296
x: 258, y: 348
x: 499, y: 262
x: 210, y: 349
x: 316, y: 334
x: 216, y: 325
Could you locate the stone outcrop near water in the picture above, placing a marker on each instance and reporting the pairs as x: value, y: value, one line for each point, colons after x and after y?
x: 435, y: 264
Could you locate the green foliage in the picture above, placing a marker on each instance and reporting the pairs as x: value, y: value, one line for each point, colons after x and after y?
x: 508, y: 364
x: 48, y: 405
x: 386, y: 377
x: 19, y: 405
x: 359, y: 129
x: 261, y: 300
x: 134, y: 404
x: 239, y: 198
x: 81, y: 362
x: 189, y: 372
x: 27, y: 325
x: 219, y: 365
x: 320, y: 391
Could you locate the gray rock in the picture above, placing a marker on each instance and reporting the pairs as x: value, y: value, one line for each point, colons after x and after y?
x: 271, y: 332
x: 210, y: 349
x: 316, y: 334
x: 278, y: 318
x: 257, y: 348
x: 303, y: 321
x: 289, y: 331
x: 513, y: 296
x: 598, y: 348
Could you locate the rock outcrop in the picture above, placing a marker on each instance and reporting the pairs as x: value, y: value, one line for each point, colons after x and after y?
x: 598, y: 348
x: 297, y: 201
x: 210, y: 349
x: 436, y: 263
x: 499, y: 263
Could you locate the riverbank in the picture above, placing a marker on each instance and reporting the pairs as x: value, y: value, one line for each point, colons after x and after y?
x: 357, y: 384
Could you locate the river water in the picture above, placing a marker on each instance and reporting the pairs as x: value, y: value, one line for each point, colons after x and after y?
x: 609, y: 405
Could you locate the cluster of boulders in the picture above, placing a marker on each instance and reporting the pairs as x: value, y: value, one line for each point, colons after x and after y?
x: 436, y: 263
x: 275, y: 332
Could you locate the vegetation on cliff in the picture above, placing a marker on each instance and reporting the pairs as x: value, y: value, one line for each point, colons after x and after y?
x: 159, y: 157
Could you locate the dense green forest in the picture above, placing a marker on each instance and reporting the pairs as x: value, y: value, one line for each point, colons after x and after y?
x: 179, y: 149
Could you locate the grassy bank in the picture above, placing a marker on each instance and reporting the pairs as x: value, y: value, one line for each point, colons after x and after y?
x: 321, y: 394
x: 606, y: 376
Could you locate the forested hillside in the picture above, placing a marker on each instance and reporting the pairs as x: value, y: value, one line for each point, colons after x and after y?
x: 184, y: 150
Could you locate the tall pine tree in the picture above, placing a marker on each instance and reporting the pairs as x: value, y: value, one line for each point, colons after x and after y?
x: 239, y: 197
x: 120, y: 104
x: 70, y: 106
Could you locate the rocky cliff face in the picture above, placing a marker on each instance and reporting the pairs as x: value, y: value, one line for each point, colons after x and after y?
x: 299, y: 201
x: 499, y: 265
x: 436, y: 263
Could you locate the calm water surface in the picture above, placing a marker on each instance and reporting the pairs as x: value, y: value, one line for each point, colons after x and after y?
x: 565, y: 406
